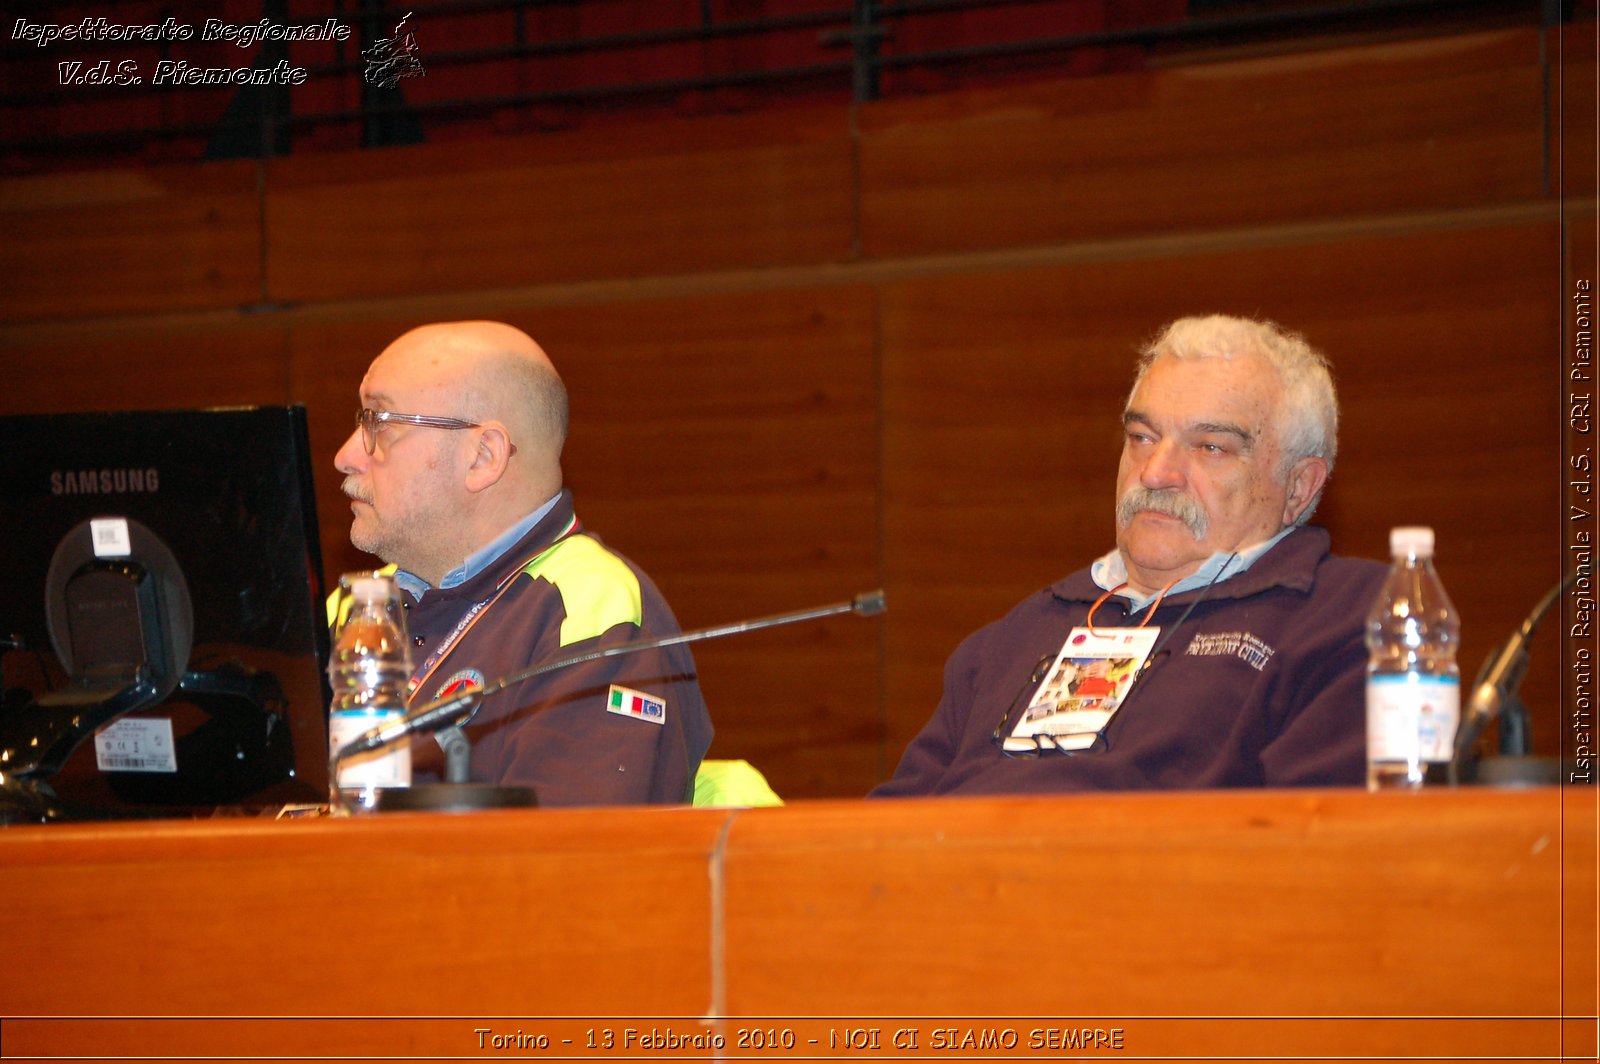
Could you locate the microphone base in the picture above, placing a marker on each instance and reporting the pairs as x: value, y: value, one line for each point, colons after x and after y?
x: 454, y: 798
x: 1515, y: 771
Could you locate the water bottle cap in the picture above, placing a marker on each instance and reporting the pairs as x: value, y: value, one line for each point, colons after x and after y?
x: 370, y: 589
x: 1414, y: 539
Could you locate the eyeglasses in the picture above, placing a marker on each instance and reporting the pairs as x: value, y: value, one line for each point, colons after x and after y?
x: 369, y: 421
x: 1034, y: 745
x: 1040, y: 742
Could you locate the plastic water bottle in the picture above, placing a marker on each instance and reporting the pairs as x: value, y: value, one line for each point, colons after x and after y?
x: 368, y: 670
x: 1413, y: 682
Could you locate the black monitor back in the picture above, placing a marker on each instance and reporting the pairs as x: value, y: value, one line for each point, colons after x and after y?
x: 230, y: 493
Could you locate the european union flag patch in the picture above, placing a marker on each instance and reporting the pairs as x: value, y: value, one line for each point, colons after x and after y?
x: 632, y: 703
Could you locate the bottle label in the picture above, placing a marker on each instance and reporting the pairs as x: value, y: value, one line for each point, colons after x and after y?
x: 1411, y: 717
x: 382, y: 768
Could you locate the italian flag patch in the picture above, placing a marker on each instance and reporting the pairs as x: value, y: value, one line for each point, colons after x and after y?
x: 631, y: 703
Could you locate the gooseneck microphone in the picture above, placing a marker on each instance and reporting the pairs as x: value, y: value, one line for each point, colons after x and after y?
x: 457, y: 710
x: 1494, y: 692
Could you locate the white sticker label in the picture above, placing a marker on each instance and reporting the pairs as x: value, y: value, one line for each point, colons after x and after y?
x: 389, y: 767
x: 136, y: 744
x: 110, y: 536
x: 1412, y: 716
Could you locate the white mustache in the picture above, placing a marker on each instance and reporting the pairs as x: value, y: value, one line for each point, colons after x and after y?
x: 1185, y: 508
x: 353, y: 492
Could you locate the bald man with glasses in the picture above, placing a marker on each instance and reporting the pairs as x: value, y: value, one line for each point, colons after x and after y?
x: 454, y: 477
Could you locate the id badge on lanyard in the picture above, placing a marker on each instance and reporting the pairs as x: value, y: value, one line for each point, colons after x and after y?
x: 424, y: 672
x: 1085, y: 686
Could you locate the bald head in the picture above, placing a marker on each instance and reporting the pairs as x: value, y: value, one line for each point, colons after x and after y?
x: 486, y: 453
x: 491, y: 372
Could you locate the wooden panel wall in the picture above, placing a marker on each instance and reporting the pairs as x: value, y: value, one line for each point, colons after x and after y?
x: 728, y: 193
x: 130, y: 242
x: 813, y: 351
x: 149, y: 368
x: 1417, y: 127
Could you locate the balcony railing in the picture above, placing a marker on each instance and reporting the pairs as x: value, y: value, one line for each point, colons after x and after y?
x: 91, y: 84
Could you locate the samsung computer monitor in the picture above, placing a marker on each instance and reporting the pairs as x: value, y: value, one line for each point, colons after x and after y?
x: 161, y: 615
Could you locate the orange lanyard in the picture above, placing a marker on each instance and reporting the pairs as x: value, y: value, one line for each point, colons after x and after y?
x: 425, y: 671
x: 1089, y: 620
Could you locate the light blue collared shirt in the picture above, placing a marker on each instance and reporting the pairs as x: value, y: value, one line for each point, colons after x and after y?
x: 1110, y: 571
x: 480, y: 559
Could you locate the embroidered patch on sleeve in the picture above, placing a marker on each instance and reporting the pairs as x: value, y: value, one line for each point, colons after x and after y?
x: 460, y: 682
x: 630, y: 703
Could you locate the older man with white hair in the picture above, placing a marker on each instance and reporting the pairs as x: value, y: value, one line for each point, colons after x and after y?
x: 1220, y: 643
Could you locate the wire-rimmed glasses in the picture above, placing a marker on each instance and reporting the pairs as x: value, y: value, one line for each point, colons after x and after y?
x: 370, y: 420
x: 1034, y: 745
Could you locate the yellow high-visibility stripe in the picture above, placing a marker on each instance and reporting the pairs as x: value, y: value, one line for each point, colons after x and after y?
x: 338, y: 603
x: 597, y: 588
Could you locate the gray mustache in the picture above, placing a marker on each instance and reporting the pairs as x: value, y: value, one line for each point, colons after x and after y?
x: 1171, y: 503
x: 349, y: 488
